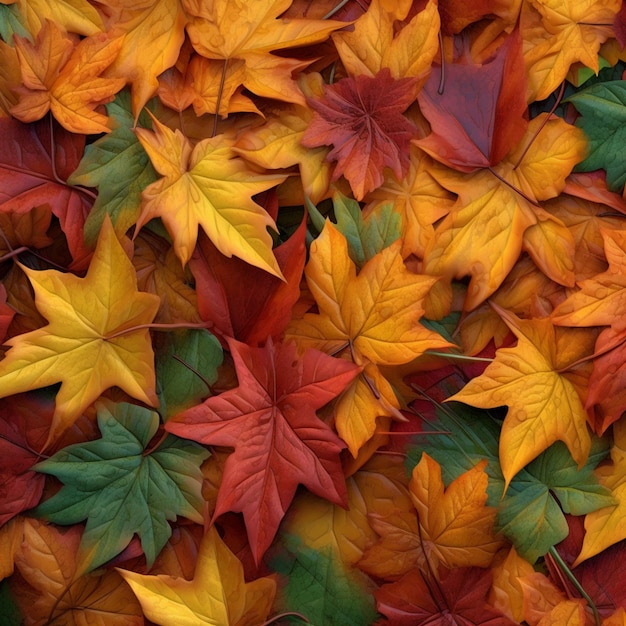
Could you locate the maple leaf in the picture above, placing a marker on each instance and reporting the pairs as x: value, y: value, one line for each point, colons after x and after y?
x: 362, y: 118
x: 218, y: 594
x: 64, y: 77
x: 375, y: 42
x: 286, y: 444
x: 243, y: 302
x: 34, y: 161
x: 120, y: 488
x: 560, y: 33
x: 207, y: 186
x: 490, y: 209
x: 480, y: 116
x: 232, y: 31
x: 552, y: 411
x: 75, y: 16
x: 602, y: 109
x: 160, y: 25
x: 118, y: 165
x: 77, y: 346
x: 459, y: 595
x: 374, y: 314
x: 57, y: 592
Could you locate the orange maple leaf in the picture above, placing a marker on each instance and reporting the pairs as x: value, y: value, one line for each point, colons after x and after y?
x: 63, y: 76
x: 375, y: 316
x: 544, y: 405
x: 362, y: 118
x: 89, y: 343
x: 218, y: 594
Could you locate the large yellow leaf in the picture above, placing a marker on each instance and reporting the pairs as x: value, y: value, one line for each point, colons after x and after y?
x: 456, y: 526
x: 217, y: 595
x: 209, y: 186
x: 147, y: 26
x: 543, y: 404
x: 89, y: 343
x: 75, y: 16
x: 373, y: 317
x: 484, y: 232
x: 607, y: 526
x: 229, y: 30
x: 374, y: 44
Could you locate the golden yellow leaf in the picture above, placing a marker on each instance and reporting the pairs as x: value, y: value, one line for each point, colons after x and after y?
x: 89, y: 343
x: 544, y: 405
x: 217, y: 595
x: 75, y: 16
x: 209, y: 186
x: 456, y: 526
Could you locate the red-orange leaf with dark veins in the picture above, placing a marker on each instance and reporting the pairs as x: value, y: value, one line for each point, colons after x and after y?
x: 271, y: 423
x: 242, y: 301
x: 480, y: 115
x: 362, y: 119
x: 458, y: 597
x: 35, y: 161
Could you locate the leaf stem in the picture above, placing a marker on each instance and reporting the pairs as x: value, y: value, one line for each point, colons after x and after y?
x: 288, y: 614
x: 461, y: 357
x: 337, y: 8
x: 153, y: 326
x: 218, y: 104
x: 568, y: 572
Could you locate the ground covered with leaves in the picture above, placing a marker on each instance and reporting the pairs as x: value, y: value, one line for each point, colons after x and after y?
x: 312, y: 312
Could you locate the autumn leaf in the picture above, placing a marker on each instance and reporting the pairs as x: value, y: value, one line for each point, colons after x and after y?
x: 77, y: 347
x: 480, y: 115
x: 362, y: 119
x: 67, y: 82
x: 120, y: 487
x: 234, y: 33
x: 375, y: 314
x: 553, y: 412
x: 218, y: 594
x: 208, y: 186
x: 377, y: 43
x: 285, y: 445
x: 120, y: 168
x: 56, y: 591
x: 459, y: 595
x: 75, y: 16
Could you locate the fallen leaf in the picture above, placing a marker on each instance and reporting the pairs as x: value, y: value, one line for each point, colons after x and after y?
x: 362, y: 119
x: 285, y: 443
x: 77, y: 346
x: 218, y: 593
x: 207, y: 186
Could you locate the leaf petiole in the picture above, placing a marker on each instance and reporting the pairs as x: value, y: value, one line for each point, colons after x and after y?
x: 182, y: 325
x: 461, y: 357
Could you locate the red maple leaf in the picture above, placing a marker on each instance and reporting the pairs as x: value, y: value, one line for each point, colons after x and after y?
x: 362, y: 118
x: 35, y: 161
x: 458, y: 597
x: 271, y: 423
x: 243, y: 301
x: 480, y: 114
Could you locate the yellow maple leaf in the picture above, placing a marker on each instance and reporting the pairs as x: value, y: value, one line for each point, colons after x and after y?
x: 146, y: 26
x: 374, y: 316
x: 543, y: 403
x: 607, y: 525
x: 218, y: 594
x: 456, y: 526
x: 238, y: 30
x: 558, y: 33
x: 210, y: 186
x: 375, y: 44
x: 63, y: 76
x: 89, y: 343
x: 485, y: 232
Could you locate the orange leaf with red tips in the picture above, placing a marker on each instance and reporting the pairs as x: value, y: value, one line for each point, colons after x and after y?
x: 362, y: 119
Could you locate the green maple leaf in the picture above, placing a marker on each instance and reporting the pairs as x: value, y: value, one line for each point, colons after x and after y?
x: 603, y: 119
x: 119, y: 167
x: 531, y: 514
x: 366, y: 237
x: 120, y: 488
x: 179, y: 364
x: 319, y: 587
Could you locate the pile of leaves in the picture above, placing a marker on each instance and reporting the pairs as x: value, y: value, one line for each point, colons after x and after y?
x: 312, y: 312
